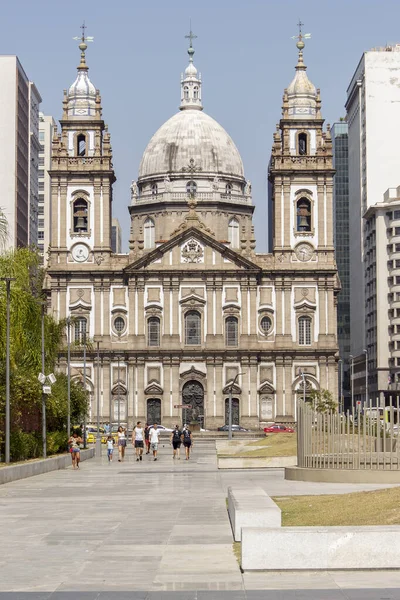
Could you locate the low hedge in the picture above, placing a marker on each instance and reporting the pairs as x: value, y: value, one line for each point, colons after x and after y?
x: 24, y: 446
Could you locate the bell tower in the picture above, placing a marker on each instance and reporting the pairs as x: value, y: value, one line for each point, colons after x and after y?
x: 82, y: 175
x: 301, y: 172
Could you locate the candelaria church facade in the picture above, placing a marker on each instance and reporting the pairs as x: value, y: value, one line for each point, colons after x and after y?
x: 193, y: 311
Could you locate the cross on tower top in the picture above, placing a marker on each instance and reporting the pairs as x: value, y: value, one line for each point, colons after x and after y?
x: 191, y: 36
x: 301, y: 36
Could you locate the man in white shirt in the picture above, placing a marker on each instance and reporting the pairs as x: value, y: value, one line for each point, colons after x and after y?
x: 154, y: 437
x: 138, y: 440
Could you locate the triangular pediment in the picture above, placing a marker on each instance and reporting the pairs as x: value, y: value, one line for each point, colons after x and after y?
x: 154, y: 258
x: 266, y: 388
x: 235, y: 388
x: 153, y: 388
x: 192, y: 372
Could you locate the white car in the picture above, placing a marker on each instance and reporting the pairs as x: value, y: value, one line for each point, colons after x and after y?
x: 162, y: 429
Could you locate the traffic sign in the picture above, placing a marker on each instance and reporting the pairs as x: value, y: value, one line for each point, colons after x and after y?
x: 182, y: 406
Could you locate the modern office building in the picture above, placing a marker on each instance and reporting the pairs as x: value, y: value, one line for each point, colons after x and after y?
x: 34, y: 149
x: 373, y: 117
x: 382, y: 288
x: 47, y: 126
x: 19, y: 148
x: 341, y: 243
x: 116, y: 236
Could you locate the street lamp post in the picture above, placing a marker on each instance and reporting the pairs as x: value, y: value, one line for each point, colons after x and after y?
x: 98, y: 436
x: 352, y: 382
x: 340, y: 362
x: 84, y: 387
x: 119, y: 396
x: 366, y: 376
x: 44, y: 438
x: 230, y: 406
x: 69, y: 377
x: 8, y: 281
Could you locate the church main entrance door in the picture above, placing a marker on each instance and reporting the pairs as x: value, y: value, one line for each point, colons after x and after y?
x: 193, y: 395
x: 154, y: 411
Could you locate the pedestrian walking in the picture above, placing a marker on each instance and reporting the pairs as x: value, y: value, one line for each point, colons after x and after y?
x: 138, y: 440
x: 121, y: 443
x: 74, y: 443
x: 176, y: 440
x: 154, y: 437
x: 187, y: 441
x: 110, y: 448
x: 146, y: 438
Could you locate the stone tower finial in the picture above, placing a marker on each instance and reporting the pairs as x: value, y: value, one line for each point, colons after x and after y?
x: 81, y: 96
x: 301, y: 93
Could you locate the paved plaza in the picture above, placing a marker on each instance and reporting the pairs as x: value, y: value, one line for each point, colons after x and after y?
x: 151, y: 530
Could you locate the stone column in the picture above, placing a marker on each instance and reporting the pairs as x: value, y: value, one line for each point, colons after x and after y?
x: 176, y: 398
x: 288, y: 209
x: 253, y: 366
x: 166, y: 400
x: 131, y: 393
x: 218, y: 310
x: 287, y: 292
x: 210, y: 414
x: 280, y: 386
x: 107, y: 388
x: 142, y: 408
x: 131, y: 310
x: 166, y: 312
x: 176, y: 312
x: 106, y: 311
x: 253, y: 312
x: 289, y: 394
x: 245, y: 315
x: 279, y: 316
x: 64, y: 206
x: 220, y: 401
x: 333, y: 377
x: 322, y: 372
x: 322, y: 310
x: 210, y: 312
x: 97, y: 308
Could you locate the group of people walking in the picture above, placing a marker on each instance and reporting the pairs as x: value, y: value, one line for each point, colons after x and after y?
x: 148, y: 438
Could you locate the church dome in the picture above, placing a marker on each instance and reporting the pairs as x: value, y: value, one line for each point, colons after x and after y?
x: 81, y: 96
x: 191, y: 134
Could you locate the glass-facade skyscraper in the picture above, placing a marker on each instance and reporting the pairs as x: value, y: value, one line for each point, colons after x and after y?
x: 341, y: 241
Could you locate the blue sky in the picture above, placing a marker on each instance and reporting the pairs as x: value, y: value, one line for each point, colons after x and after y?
x: 243, y: 51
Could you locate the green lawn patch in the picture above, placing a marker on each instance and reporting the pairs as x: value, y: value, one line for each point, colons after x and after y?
x: 378, y: 507
x: 275, y: 444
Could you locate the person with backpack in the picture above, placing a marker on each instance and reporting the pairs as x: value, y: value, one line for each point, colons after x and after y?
x: 176, y: 440
x: 187, y: 441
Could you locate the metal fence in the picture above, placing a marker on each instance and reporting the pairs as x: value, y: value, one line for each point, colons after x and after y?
x: 366, y: 440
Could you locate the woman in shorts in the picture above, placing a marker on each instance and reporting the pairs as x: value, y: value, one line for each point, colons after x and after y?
x: 74, y: 443
x: 121, y: 443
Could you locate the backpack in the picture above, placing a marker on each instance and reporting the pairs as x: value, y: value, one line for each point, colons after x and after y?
x: 177, y: 435
x: 186, y: 434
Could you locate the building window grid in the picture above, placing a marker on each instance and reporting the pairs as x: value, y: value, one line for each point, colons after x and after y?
x: 192, y: 328
x: 305, y: 331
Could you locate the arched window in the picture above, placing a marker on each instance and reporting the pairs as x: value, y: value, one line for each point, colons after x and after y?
x: 153, y: 331
x: 191, y: 187
x: 195, y: 92
x: 186, y: 93
x: 305, y: 331
x: 154, y: 189
x: 149, y: 233
x: 80, y: 216
x: 228, y: 189
x: 192, y: 328
x: 233, y: 233
x: 302, y: 143
x: 231, y: 331
x: 81, y: 144
x: 80, y: 330
x: 303, y: 215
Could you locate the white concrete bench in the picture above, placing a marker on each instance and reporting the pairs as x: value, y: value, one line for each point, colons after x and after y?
x: 309, y: 548
x: 251, y: 508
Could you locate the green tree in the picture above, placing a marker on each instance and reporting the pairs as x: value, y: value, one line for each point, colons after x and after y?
x: 3, y: 229
x: 322, y: 401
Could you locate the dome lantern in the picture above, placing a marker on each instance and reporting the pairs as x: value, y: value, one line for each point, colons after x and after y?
x: 81, y: 96
x: 191, y: 81
x: 301, y: 93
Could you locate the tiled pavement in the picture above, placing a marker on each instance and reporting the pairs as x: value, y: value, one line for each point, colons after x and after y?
x: 150, y: 531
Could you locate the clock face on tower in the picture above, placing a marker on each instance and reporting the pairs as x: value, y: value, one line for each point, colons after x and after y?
x: 80, y: 252
x: 304, y: 252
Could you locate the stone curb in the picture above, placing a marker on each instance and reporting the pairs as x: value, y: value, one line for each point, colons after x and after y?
x: 262, y: 462
x: 38, y: 467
